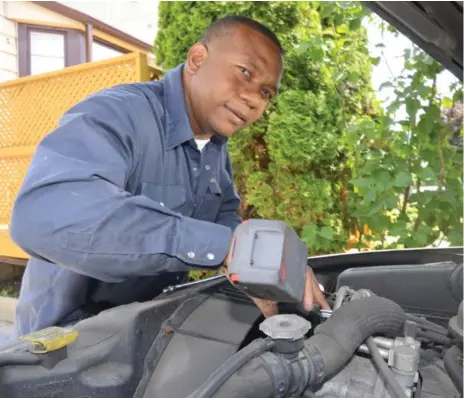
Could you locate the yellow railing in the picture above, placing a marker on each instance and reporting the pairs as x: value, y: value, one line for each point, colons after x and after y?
x: 30, y: 107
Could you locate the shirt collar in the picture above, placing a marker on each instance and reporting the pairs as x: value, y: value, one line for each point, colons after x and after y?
x: 178, y: 128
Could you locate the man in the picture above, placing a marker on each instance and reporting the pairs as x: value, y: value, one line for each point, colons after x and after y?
x: 135, y: 186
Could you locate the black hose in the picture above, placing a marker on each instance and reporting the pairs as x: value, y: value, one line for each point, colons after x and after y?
x: 426, y: 324
x: 251, y: 381
x: 384, y: 370
x: 434, y: 337
x: 234, y: 363
x: 336, y: 340
x: 248, y: 374
x: 11, y: 359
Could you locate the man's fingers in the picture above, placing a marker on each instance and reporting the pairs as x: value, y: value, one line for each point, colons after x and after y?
x: 267, y: 307
x: 308, y: 298
x: 313, y: 293
x: 319, y: 296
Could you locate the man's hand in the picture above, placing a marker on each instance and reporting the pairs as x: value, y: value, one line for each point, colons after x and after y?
x: 312, y: 295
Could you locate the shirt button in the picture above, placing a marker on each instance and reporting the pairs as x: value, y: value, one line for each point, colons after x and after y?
x: 207, y: 167
x: 195, y: 169
x: 191, y: 254
x: 212, y: 180
x: 210, y: 256
x: 162, y: 204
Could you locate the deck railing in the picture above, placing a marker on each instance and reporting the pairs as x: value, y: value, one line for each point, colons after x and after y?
x: 30, y: 108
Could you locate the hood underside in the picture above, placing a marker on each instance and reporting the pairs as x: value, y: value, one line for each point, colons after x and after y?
x: 435, y: 26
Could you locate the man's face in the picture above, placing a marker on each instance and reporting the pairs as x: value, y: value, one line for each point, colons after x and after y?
x: 234, y: 82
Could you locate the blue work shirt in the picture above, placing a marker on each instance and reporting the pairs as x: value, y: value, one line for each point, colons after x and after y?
x: 118, y: 203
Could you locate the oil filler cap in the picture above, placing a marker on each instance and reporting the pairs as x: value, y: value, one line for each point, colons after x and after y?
x: 50, y: 339
x: 285, y: 327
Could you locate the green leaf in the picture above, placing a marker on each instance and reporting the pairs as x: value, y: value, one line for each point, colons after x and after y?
x: 458, y: 95
x: 371, y: 195
x: 376, y: 208
x: 412, y: 106
x: 361, y: 182
x: 309, y: 234
x: 352, y: 136
x: 385, y: 85
x: 375, y: 60
x: 355, y: 24
x: 420, y: 238
x: 382, y: 179
x: 303, y: 47
x: 427, y: 174
x: 338, y: 76
x: 391, y: 201
x: 326, y: 233
x: 403, y: 179
x: 399, y: 228
x: 316, y: 54
x: 428, y: 60
x: 353, y: 76
x: 455, y: 237
x: 342, y: 28
x: 447, y: 102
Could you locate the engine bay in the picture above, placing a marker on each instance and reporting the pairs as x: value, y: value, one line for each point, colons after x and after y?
x: 172, y: 345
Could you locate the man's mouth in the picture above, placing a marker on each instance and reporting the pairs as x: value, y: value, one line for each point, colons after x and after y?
x: 238, y: 115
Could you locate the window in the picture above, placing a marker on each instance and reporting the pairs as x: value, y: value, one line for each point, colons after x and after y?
x: 47, y: 51
x: 44, y: 49
x: 102, y: 51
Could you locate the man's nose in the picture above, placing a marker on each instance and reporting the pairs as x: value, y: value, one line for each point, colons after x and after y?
x: 252, y: 97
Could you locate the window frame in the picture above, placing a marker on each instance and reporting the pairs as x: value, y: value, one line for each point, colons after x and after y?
x: 74, y: 45
x: 24, y: 45
x: 112, y: 46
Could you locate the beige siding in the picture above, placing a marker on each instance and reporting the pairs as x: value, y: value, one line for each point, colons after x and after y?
x: 26, y: 10
x: 19, y: 10
x: 8, y: 46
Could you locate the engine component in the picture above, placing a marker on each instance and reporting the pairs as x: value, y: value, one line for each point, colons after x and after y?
x: 360, y: 378
x: 322, y: 356
x: 227, y: 369
x: 456, y: 325
x: 340, y: 296
x: 285, y: 326
x: 404, y: 357
x: 268, y: 260
x: 453, y: 365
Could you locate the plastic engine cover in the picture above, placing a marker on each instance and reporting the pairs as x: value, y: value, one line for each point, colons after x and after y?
x: 164, y: 348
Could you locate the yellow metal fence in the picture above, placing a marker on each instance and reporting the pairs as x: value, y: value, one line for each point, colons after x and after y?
x: 30, y: 107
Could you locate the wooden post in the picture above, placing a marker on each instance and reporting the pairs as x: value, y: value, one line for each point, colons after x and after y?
x: 88, y: 42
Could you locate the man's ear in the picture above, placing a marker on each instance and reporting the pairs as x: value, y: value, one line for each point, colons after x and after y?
x: 197, y: 54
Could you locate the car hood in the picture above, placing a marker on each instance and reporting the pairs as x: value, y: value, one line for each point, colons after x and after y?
x: 435, y: 26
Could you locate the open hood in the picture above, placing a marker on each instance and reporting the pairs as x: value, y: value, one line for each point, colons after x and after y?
x: 435, y: 26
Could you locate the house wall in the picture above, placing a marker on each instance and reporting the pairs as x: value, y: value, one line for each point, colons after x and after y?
x: 26, y: 10
x: 8, y: 46
x: 10, y: 13
x: 137, y: 18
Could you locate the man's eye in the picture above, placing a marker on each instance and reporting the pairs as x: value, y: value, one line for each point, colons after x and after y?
x: 266, y: 93
x: 245, y: 71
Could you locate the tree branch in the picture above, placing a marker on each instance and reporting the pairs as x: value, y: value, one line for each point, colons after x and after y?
x: 407, y: 192
x: 417, y: 222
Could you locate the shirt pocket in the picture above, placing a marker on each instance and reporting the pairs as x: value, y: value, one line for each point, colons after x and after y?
x: 213, y: 200
x: 171, y: 196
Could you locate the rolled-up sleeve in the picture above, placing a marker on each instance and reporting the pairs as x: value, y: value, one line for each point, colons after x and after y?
x: 73, y: 208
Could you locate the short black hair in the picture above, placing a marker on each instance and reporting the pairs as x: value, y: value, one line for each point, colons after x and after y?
x: 227, y: 25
